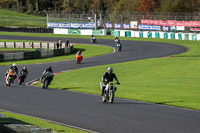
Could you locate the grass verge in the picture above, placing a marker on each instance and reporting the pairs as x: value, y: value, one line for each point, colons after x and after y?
x: 88, y: 51
x: 22, y: 119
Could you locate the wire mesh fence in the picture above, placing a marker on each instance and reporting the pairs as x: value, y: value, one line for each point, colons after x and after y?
x: 111, y: 17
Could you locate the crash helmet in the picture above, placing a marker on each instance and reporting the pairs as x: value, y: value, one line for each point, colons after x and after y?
x: 50, y: 68
x: 24, y: 68
x: 14, y: 65
x: 110, y: 69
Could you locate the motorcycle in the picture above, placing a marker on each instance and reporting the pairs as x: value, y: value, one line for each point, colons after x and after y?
x: 108, y: 94
x: 47, y: 80
x: 10, y: 76
x: 78, y: 59
x: 119, y: 46
x: 22, y: 77
x: 93, y: 40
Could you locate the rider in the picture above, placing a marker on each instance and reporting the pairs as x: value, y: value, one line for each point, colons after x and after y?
x: 13, y: 67
x: 108, y: 77
x: 93, y: 38
x: 117, y: 39
x: 79, y: 53
x: 49, y: 69
x: 24, y: 69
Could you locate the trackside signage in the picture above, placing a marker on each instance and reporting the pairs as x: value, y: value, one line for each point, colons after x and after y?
x: 71, y: 25
x: 149, y: 27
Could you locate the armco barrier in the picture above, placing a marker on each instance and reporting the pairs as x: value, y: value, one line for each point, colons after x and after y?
x: 8, y: 56
x: 32, y: 55
x: 19, y: 56
x: 1, y: 57
x: 44, y: 54
x: 58, y: 52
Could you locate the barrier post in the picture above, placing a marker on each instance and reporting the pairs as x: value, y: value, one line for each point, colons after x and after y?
x: 54, y: 45
x: 40, y: 45
x: 4, y: 44
x: 23, y: 44
x: 32, y: 45
x: 14, y: 44
x: 47, y: 45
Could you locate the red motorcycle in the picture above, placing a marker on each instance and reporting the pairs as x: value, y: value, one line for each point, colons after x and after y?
x: 78, y: 59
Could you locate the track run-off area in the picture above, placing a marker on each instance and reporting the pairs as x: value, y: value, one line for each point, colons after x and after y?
x: 86, y: 111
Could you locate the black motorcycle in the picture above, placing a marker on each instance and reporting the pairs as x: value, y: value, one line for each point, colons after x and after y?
x: 48, y: 77
x: 22, y: 77
x: 93, y: 39
x: 119, y: 46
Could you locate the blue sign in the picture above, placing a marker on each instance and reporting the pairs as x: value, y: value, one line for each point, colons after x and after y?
x: 71, y: 25
x: 88, y: 26
x: 172, y: 28
x: 165, y: 28
x: 126, y: 26
x: 149, y: 27
x: 117, y: 26
x: 109, y: 25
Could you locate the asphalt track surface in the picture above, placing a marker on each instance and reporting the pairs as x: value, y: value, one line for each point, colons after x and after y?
x: 87, y: 111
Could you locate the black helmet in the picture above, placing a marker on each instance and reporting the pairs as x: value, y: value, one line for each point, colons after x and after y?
x: 49, y: 68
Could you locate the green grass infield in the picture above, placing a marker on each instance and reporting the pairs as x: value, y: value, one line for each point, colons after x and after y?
x: 22, y: 119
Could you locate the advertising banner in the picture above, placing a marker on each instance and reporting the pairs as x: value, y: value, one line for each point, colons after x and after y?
x: 171, y: 23
x: 145, y: 22
x: 126, y: 26
x: 71, y: 25
x: 53, y: 25
x: 194, y: 29
x: 97, y: 32
x: 180, y: 28
x: 133, y: 24
x: 88, y: 26
x: 165, y: 28
x: 109, y: 25
x: 74, y: 31
x: 76, y: 25
x: 117, y: 26
x: 149, y: 27
x: 64, y: 25
x: 172, y: 28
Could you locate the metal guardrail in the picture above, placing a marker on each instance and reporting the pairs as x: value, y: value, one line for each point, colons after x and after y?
x: 43, y: 50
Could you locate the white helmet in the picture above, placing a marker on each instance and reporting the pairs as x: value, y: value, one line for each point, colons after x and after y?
x: 110, y: 69
x: 14, y: 65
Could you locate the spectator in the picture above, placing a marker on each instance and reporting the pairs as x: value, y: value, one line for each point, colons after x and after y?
x: 60, y: 43
x: 57, y: 45
x: 67, y: 43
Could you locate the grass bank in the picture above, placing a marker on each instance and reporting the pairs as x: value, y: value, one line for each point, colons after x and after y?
x: 21, y: 119
x: 88, y: 51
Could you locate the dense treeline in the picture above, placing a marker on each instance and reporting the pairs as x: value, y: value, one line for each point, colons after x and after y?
x: 104, y: 6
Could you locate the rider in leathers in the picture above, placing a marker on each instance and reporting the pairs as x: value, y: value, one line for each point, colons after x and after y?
x: 13, y: 67
x: 108, y: 77
x: 49, y: 69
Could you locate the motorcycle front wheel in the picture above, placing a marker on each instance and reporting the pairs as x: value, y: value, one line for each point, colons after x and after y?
x: 111, y: 96
x: 104, y: 98
x: 45, y: 84
x: 9, y: 81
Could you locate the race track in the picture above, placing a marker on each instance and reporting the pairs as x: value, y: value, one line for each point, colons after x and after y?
x: 87, y: 111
